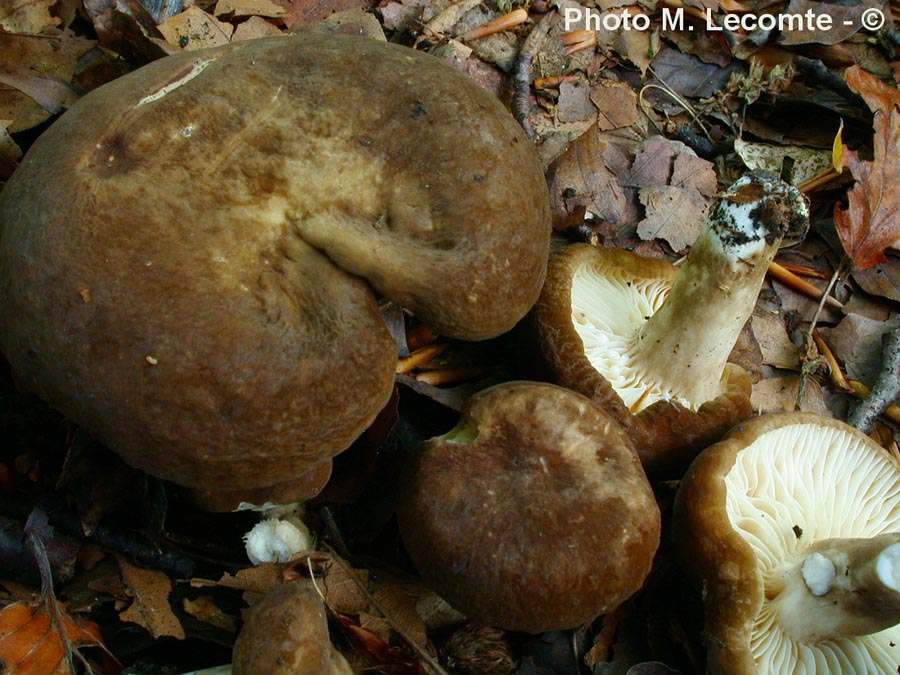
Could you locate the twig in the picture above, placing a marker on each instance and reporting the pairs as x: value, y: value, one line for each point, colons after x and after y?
x: 886, y: 389
x: 501, y: 23
x: 576, y: 40
x: 818, y: 71
x: 801, y: 285
x: 521, y: 99
x: 809, y: 341
x: 840, y: 382
x: 445, y: 376
x: 420, y: 357
x: 688, y: 108
x: 36, y: 523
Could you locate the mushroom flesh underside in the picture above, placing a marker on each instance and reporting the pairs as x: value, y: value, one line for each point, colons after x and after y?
x: 609, y: 307
x: 781, y: 501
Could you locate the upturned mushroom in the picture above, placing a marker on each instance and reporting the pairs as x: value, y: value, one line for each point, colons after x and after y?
x: 191, y: 258
x: 532, y: 514
x: 286, y: 633
x: 791, y: 525
x: 649, y: 341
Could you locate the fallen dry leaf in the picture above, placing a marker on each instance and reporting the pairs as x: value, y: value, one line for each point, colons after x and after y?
x: 248, y: 8
x: 254, y: 27
x: 856, y: 342
x: 674, y: 187
x: 36, y: 76
x: 574, y: 102
x: 870, y: 224
x: 617, y: 104
x: 807, y: 162
x: 587, y: 178
x: 845, y: 21
x: 30, y: 645
x: 774, y: 343
x: 302, y: 12
x: 10, y: 153
x: 150, y: 607
x: 26, y: 16
x: 779, y: 394
x: 195, y: 29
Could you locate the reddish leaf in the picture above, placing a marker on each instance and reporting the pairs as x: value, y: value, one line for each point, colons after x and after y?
x: 29, y: 644
x: 870, y: 224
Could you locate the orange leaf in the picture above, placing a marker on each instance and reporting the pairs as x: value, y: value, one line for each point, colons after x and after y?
x: 871, y: 222
x: 29, y: 645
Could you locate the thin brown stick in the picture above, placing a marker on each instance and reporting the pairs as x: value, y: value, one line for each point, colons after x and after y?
x: 521, y: 100
x: 514, y: 18
x: 817, y: 181
x: 420, y: 357
x: 451, y: 375
x: 801, y: 285
x: 802, y: 271
x: 588, y: 43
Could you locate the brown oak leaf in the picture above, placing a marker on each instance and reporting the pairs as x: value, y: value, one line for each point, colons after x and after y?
x: 871, y: 222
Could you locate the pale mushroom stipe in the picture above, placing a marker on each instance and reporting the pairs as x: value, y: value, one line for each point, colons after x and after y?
x: 791, y: 526
x: 191, y: 258
x: 649, y: 341
x: 533, y: 514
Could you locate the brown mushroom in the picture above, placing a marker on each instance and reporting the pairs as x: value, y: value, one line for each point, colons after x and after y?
x: 190, y: 257
x: 286, y: 633
x: 791, y: 526
x: 532, y: 514
x: 650, y: 342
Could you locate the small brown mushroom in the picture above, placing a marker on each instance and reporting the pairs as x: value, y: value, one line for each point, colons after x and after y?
x: 791, y: 525
x: 533, y: 514
x: 650, y: 342
x: 286, y: 633
x: 191, y: 257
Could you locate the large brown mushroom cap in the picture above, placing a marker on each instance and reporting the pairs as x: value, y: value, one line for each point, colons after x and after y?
x: 533, y: 514
x: 755, y: 509
x: 667, y: 433
x: 187, y: 256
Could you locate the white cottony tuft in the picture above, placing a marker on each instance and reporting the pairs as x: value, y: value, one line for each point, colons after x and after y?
x: 275, y: 540
x: 818, y: 573
x: 888, y: 567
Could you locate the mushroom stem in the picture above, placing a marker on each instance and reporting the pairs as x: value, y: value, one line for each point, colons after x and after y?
x: 840, y: 588
x: 693, y: 333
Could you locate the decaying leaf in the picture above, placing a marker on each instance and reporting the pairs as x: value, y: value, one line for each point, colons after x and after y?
x: 845, y: 21
x: 35, y: 76
x: 10, y: 153
x: 775, y: 345
x: 856, y: 342
x: 807, y: 162
x: 587, y: 179
x: 26, y: 16
x: 779, y: 394
x: 303, y: 12
x: 31, y: 645
x: 253, y: 28
x: 617, y: 104
x: 150, y: 607
x: 871, y: 223
x: 248, y: 8
x: 195, y: 29
x: 674, y: 187
x: 206, y: 610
